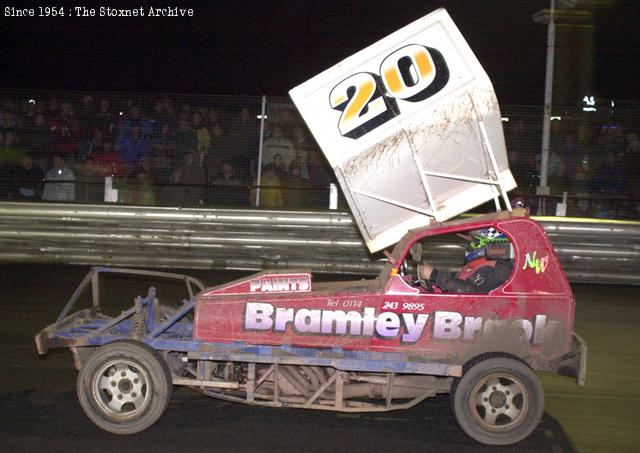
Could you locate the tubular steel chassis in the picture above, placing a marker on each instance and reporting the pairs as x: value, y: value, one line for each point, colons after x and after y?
x: 85, y: 330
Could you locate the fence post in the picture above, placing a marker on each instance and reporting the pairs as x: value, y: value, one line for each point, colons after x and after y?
x: 543, y: 188
x: 110, y: 194
x: 333, y: 196
x: 263, y: 114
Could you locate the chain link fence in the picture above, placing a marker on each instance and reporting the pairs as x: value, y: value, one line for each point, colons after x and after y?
x: 235, y: 151
x: 594, y: 161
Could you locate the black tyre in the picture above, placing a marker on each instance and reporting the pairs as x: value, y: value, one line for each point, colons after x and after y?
x: 498, y: 401
x: 124, y: 387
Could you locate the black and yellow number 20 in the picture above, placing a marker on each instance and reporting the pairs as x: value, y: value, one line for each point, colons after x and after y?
x: 412, y: 73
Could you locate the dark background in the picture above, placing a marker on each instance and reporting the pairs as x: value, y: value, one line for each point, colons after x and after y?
x: 268, y: 47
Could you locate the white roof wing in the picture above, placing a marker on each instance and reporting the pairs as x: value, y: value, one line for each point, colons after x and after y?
x: 412, y: 128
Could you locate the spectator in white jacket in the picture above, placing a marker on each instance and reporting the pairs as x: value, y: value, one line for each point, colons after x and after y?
x: 60, y: 182
x: 278, y: 144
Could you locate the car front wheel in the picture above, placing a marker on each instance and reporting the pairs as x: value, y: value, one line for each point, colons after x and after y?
x: 498, y: 401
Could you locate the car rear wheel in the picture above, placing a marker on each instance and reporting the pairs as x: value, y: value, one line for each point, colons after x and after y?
x: 124, y: 387
x: 498, y: 401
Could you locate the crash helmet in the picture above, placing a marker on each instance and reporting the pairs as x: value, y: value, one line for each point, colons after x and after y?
x: 489, y: 243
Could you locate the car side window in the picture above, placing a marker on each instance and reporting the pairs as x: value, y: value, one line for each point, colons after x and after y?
x: 476, y: 261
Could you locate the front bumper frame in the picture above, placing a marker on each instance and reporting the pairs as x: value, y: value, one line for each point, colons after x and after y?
x: 574, y: 363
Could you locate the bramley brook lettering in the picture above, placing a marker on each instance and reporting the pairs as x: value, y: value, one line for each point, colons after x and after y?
x: 446, y: 325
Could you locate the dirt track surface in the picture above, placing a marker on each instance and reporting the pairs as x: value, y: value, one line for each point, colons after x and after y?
x: 39, y: 410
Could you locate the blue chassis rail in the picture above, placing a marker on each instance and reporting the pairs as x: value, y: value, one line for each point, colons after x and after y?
x: 88, y: 328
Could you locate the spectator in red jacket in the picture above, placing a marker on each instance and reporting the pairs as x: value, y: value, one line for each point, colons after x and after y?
x: 109, y: 162
x: 65, y: 131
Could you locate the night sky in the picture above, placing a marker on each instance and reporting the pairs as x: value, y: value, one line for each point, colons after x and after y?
x: 267, y: 47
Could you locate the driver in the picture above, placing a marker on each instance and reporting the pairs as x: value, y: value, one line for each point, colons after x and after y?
x: 488, y: 264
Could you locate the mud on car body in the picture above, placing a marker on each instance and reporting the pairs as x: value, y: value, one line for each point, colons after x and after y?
x: 279, y: 339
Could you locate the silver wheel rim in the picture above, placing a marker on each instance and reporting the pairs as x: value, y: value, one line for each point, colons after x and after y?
x: 499, y: 402
x: 122, y: 388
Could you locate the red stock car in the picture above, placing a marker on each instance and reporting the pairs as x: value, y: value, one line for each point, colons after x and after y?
x: 280, y: 339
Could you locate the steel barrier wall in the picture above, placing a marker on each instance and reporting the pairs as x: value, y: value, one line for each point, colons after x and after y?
x: 222, y: 239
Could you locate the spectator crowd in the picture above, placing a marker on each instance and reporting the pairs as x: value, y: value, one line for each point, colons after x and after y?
x: 197, y: 151
x: 158, y: 151
x: 597, y: 164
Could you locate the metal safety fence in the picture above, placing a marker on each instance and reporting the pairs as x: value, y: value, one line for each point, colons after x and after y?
x: 248, y: 151
x: 250, y: 240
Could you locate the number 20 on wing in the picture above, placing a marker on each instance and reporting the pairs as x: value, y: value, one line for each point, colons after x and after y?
x: 366, y: 100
